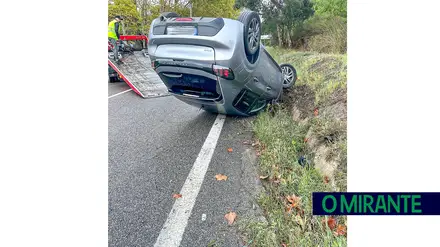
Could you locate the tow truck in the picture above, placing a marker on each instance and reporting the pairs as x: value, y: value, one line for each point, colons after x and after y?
x: 134, y: 67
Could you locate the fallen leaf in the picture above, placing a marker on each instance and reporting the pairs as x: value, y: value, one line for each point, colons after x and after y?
x: 283, y: 245
x: 316, y: 111
x: 264, y: 177
x: 331, y: 222
x: 306, y: 139
x: 294, y: 200
x: 229, y: 149
x: 340, y: 231
x: 177, y: 196
x: 326, y: 180
x: 221, y: 177
x: 230, y: 217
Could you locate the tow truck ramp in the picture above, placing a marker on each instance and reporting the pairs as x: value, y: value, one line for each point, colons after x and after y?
x: 135, y: 69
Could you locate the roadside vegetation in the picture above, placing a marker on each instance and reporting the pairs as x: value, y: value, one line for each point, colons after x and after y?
x: 301, y: 144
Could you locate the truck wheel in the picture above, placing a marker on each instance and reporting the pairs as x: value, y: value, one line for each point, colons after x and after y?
x: 289, y: 75
x: 113, y: 79
x: 252, y: 31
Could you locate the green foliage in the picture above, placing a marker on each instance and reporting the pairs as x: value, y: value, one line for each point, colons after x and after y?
x: 219, y: 8
x: 296, y: 11
x: 154, y: 13
x: 312, y: 25
x: 127, y: 9
x: 331, y: 7
x: 323, y: 73
x: 329, y: 34
x: 278, y: 160
x: 292, y: 13
x: 254, y: 5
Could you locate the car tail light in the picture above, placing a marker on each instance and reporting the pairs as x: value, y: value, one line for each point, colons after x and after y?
x: 223, y: 72
x: 184, y: 19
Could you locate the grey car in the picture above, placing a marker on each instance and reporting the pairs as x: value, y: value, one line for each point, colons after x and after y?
x: 217, y: 64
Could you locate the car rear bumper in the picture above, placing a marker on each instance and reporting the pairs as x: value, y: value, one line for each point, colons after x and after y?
x: 199, y: 87
x: 223, y: 105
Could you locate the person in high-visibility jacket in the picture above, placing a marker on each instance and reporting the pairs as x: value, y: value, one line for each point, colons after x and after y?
x: 113, y: 34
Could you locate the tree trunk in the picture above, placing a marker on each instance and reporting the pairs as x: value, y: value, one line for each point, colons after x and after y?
x: 288, y: 38
x: 292, y: 32
x: 123, y: 29
x: 280, y: 37
x: 162, y: 5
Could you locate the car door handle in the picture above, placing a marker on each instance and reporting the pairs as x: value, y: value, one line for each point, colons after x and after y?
x: 172, y: 75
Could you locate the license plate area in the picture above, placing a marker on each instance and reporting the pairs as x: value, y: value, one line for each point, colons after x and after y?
x: 181, y: 30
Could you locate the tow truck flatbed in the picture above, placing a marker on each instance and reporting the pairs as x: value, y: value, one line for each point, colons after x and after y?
x: 135, y: 69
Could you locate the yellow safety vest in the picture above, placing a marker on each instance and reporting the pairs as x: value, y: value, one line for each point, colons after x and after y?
x: 111, y: 30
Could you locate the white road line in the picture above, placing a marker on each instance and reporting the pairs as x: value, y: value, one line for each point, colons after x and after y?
x: 173, y: 229
x: 128, y: 90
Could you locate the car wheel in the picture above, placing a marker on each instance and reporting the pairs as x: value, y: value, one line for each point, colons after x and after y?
x: 252, y: 31
x: 289, y: 75
x: 167, y: 15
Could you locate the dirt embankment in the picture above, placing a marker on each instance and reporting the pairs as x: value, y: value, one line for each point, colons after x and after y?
x: 326, y: 136
x: 319, y: 100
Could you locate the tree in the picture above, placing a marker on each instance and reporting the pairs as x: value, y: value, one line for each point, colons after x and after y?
x: 218, y: 8
x: 127, y: 9
x: 254, y: 5
x: 283, y: 17
x: 331, y: 7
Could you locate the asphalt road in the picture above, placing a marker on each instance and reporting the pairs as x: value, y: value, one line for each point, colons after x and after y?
x: 153, y: 144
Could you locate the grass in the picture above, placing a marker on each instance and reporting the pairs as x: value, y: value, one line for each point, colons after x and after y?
x: 324, y: 73
x: 281, y: 143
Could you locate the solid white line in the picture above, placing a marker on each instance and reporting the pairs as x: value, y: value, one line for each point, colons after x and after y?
x: 173, y: 229
x: 128, y: 90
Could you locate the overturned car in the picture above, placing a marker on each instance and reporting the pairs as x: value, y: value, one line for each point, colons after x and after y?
x: 217, y: 64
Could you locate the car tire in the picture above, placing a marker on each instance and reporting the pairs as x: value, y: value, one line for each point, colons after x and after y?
x: 167, y: 15
x: 137, y: 46
x: 289, y: 75
x: 113, y: 79
x: 251, y: 20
